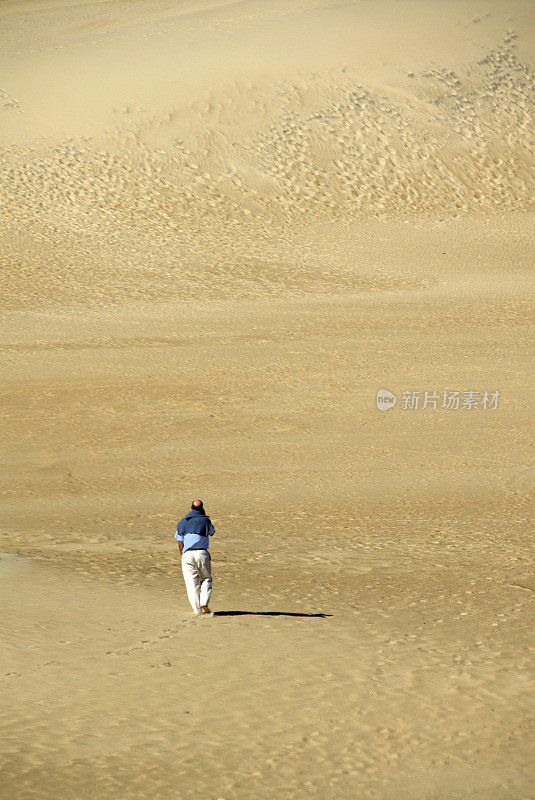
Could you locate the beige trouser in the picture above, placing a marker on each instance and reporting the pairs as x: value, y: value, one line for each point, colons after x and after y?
x: 197, y: 571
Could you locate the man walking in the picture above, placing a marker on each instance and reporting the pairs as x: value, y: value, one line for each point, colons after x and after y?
x: 193, y: 532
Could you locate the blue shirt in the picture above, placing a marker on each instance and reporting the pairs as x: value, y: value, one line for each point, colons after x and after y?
x: 194, y: 530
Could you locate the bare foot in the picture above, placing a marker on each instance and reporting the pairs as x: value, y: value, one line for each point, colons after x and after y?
x: 205, y: 610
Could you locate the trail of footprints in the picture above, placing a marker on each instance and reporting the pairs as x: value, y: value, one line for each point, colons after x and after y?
x: 145, y: 644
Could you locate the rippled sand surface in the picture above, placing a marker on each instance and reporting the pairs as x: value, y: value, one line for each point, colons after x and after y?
x: 225, y: 227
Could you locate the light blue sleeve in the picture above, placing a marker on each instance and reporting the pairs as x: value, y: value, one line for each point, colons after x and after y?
x: 179, y: 536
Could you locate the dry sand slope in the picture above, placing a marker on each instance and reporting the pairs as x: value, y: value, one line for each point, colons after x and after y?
x: 225, y: 226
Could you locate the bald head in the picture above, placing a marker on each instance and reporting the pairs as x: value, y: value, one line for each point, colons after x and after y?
x: 197, y: 504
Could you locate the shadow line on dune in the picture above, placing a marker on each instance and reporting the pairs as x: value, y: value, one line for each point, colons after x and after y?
x: 269, y: 614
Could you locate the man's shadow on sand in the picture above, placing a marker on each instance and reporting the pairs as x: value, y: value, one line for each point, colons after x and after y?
x: 268, y: 614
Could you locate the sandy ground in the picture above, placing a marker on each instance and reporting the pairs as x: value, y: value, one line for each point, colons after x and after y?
x: 225, y: 227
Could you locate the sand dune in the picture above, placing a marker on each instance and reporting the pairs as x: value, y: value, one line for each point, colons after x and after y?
x: 183, y: 195
x: 225, y: 226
